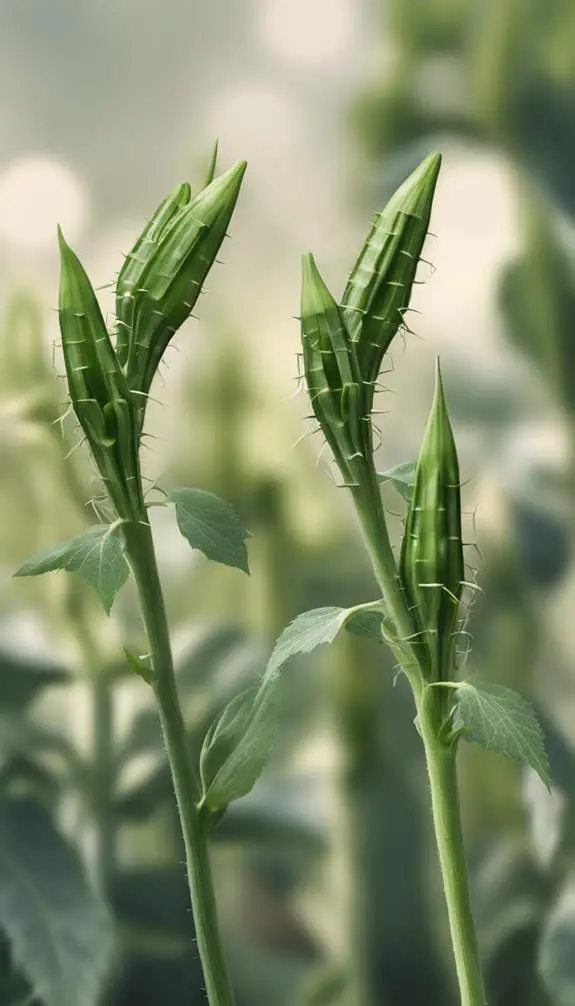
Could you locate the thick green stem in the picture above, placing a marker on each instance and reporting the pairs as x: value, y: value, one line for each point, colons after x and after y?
x: 140, y: 550
x: 442, y: 772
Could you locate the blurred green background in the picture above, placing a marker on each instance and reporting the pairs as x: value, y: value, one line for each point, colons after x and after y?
x: 327, y: 878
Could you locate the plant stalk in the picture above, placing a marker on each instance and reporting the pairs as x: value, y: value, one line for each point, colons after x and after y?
x: 442, y: 771
x: 140, y: 551
x: 440, y: 757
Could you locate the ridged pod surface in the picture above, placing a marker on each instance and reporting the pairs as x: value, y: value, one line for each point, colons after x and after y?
x: 172, y: 279
x: 380, y: 284
x: 332, y: 372
x: 431, y: 566
x: 137, y: 260
x: 98, y: 388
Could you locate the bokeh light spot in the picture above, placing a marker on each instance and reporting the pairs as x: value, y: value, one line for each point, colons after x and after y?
x: 37, y: 193
x: 305, y: 34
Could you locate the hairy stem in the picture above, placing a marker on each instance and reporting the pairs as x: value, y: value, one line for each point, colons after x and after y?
x: 442, y: 772
x: 140, y: 551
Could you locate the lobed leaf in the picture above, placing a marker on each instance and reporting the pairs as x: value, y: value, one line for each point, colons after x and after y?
x: 211, y: 525
x: 97, y: 554
x: 501, y: 720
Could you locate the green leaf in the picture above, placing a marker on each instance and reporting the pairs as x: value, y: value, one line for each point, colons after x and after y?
x: 211, y: 525
x: 59, y: 931
x: 402, y: 477
x: 501, y: 720
x: 311, y: 629
x: 97, y: 555
x: 238, y: 745
x: 139, y: 666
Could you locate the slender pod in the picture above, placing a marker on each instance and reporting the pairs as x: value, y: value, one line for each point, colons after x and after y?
x: 137, y: 260
x: 431, y: 566
x: 332, y: 372
x: 379, y: 287
x: 97, y: 385
x: 172, y: 279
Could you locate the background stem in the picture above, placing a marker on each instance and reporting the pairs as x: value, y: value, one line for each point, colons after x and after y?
x: 103, y: 771
x: 140, y: 550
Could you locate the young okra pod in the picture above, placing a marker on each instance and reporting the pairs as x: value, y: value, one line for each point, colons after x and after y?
x: 171, y: 279
x: 431, y: 566
x: 332, y: 373
x: 97, y: 385
x: 379, y: 287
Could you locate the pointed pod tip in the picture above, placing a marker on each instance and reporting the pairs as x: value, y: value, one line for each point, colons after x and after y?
x: 315, y: 295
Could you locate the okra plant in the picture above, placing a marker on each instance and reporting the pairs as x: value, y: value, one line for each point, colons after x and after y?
x: 425, y: 592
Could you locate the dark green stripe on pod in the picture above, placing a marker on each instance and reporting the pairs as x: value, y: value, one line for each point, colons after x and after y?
x: 380, y: 284
x: 97, y: 385
x: 172, y: 279
x: 137, y: 260
x: 431, y: 566
x: 332, y: 372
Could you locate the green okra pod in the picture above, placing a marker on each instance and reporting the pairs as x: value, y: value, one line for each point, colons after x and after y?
x: 380, y: 284
x: 171, y: 280
x: 97, y: 385
x: 332, y: 372
x: 431, y: 565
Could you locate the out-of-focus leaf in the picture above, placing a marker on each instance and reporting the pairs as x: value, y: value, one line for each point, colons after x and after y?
x: 560, y: 753
x: 211, y: 525
x: 326, y: 986
x: 537, y: 301
x: 258, y: 821
x: 22, y: 679
x: 543, y: 135
x: 201, y: 658
x: 59, y: 931
x: 543, y: 543
x: 501, y: 720
x: 154, y: 898
x: 556, y: 957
